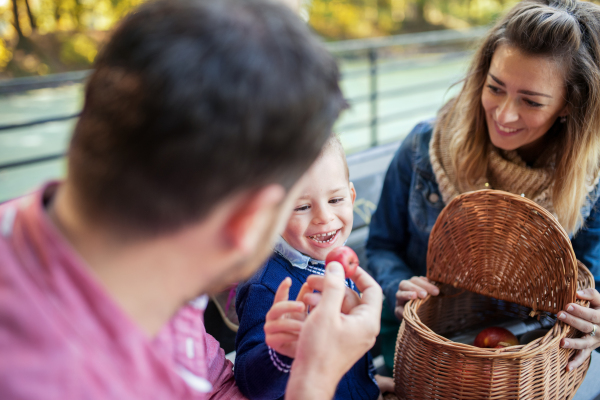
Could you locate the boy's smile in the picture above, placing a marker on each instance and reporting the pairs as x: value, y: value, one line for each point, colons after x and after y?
x: 325, y: 239
x: 323, y: 213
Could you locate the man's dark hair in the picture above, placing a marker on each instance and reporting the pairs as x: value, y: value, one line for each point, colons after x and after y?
x: 192, y: 101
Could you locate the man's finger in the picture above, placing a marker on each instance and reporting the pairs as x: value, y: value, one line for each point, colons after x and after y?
x: 590, y: 294
x: 334, y: 288
x: 581, y: 356
x: 303, y: 290
x: 284, y: 307
x: 372, y: 295
x: 283, y: 291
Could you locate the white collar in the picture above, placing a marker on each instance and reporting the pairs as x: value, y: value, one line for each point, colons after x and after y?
x: 296, y: 258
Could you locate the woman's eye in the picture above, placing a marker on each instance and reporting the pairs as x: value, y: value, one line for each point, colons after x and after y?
x: 494, y: 89
x: 301, y: 208
x: 533, y: 103
x: 336, y: 200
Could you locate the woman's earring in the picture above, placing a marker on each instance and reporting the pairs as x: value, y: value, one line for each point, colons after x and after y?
x: 563, y: 120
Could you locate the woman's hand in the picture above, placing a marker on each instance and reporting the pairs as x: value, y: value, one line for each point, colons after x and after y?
x: 417, y: 286
x: 585, y: 320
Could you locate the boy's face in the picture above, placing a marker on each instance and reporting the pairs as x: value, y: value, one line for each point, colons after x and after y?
x: 323, y: 213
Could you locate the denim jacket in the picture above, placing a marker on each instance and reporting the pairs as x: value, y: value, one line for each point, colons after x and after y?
x: 409, y: 206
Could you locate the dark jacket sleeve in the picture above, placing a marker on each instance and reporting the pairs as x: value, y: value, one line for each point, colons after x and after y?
x: 586, y: 243
x: 260, y: 372
x: 388, y: 232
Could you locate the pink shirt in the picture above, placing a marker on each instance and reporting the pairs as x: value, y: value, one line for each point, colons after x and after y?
x: 62, y: 337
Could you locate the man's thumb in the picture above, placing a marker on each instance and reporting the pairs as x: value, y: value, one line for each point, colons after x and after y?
x: 334, y: 287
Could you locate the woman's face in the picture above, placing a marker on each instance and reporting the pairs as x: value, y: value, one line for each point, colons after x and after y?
x: 523, y: 96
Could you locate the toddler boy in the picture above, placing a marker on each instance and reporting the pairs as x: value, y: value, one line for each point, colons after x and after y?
x: 321, y: 221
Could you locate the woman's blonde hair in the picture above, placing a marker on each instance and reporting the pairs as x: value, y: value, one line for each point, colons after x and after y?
x: 568, y: 31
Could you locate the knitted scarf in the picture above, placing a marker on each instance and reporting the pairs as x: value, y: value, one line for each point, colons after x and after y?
x: 506, y: 171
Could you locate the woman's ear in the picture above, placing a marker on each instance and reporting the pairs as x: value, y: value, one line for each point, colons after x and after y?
x: 352, y: 192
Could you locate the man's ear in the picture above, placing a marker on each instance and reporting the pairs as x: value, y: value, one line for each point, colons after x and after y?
x: 251, y: 215
x: 352, y: 192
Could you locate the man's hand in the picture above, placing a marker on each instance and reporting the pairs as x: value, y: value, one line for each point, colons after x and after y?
x: 330, y: 342
x: 284, y: 321
x: 417, y: 286
x: 317, y: 283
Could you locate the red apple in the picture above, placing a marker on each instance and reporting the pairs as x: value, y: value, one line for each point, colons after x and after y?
x: 495, y: 338
x: 345, y: 256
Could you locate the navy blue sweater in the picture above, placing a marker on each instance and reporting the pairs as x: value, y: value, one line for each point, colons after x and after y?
x: 262, y: 373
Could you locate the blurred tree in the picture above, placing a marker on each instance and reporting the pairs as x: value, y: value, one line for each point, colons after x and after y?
x: 45, y: 36
x: 346, y: 19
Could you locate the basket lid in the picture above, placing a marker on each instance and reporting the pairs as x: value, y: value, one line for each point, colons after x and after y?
x: 504, y: 246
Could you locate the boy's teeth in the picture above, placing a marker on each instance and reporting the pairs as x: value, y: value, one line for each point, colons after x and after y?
x: 327, y: 237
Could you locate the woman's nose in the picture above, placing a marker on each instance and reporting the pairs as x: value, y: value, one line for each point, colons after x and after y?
x: 507, y: 112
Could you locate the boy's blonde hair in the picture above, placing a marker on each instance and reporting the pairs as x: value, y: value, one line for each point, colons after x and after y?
x: 334, y: 144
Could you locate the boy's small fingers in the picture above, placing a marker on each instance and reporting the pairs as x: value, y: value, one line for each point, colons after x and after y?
x: 283, y: 291
x: 303, y: 290
x: 284, y: 307
x: 298, y: 316
x: 283, y: 325
x: 279, y: 339
x: 312, y: 299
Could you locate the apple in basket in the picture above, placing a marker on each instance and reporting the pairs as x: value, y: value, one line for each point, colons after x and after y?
x: 345, y: 256
x: 495, y: 338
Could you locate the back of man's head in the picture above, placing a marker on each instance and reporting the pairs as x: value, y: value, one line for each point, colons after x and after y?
x: 193, y: 101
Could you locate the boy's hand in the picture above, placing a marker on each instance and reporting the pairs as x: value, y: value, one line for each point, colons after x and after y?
x: 386, y: 384
x: 284, y: 321
x: 317, y: 282
x: 331, y: 342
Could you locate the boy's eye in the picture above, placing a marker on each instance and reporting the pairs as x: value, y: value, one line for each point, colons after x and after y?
x: 336, y: 200
x: 302, y: 208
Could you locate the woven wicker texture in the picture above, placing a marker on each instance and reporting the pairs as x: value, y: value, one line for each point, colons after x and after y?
x: 504, y: 246
x: 501, y: 256
x: 429, y: 366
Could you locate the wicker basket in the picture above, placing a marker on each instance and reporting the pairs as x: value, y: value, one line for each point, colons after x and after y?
x: 495, y: 255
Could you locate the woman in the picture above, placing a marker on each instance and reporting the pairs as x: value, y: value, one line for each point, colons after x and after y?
x: 526, y: 121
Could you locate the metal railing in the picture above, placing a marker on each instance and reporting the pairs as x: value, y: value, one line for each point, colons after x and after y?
x: 368, y: 49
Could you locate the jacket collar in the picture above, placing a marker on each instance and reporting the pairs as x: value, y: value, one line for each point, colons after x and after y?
x: 295, y: 258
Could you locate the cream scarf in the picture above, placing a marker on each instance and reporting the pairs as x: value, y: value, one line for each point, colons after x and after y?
x: 506, y: 171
